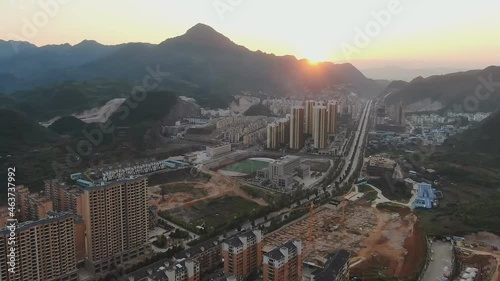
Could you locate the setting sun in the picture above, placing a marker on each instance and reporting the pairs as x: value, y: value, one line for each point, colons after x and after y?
x: 316, y: 54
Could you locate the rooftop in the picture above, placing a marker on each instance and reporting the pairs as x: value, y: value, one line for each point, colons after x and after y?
x: 336, y: 261
x: 276, y: 254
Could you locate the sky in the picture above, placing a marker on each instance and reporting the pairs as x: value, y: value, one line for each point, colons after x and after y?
x: 369, y: 34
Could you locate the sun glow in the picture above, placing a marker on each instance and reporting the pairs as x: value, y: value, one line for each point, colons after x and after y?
x: 316, y: 54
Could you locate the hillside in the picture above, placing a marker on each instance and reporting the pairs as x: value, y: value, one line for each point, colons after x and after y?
x: 444, y: 91
x: 202, y: 63
x: 258, y: 110
x: 65, y: 98
x: 19, y: 133
x: 482, y: 138
x: 31, y: 60
x: 67, y: 125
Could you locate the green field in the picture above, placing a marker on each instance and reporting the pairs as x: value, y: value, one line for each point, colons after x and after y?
x: 247, y: 166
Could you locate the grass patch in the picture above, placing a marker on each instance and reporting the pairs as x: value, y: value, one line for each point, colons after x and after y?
x: 256, y: 192
x: 397, y: 191
x: 247, y: 166
x: 364, y: 188
x: 370, y: 196
x: 216, y: 213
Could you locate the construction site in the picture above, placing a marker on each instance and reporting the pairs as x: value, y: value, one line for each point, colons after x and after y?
x: 379, y: 240
x: 203, y: 199
x: 196, y: 187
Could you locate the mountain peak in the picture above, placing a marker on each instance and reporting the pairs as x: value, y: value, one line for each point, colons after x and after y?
x: 200, y: 28
x: 204, y: 35
x: 88, y: 43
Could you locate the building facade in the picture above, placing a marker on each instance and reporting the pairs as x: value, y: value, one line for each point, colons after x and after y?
x: 242, y: 253
x: 332, y: 112
x: 297, y: 128
x: 116, y: 223
x: 208, y: 254
x: 308, y: 119
x: 320, y: 127
x: 282, y: 171
x: 45, y: 249
x: 213, y: 151
x: 32, y: 206
x: 273, y: 136
x: 283, y: 263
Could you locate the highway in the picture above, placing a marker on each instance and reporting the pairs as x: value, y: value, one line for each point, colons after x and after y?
x: 356, y: 150
x: 348, y: 170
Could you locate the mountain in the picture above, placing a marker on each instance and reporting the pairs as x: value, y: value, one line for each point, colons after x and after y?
x: 393, y: 86
x: 10, y: 48
x: 66, y: 98
x: 448, y: 91
x: 405, y: 74
x: 208, y: 62
x: 258, y: 110
x: 202, y: 63
x: 31, y: 63
x: 20, y: 133
x: 482, y: 138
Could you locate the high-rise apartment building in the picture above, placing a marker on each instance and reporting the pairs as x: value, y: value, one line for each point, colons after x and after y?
x: 308, y: 120
x: 116, y: 222
x: 242, y: 253
x: 320, y: 127
x: 400, y: 114
x: 65, y: 198
x: 272, y: 136
x: 283, y: 263
x: 297, y: 127
x: 32, y: 206
x: 284, y: 130
x: 332, y: 111
x: 45, y: 249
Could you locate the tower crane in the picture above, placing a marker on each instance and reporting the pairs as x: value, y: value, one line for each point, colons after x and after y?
x: 311, y: 218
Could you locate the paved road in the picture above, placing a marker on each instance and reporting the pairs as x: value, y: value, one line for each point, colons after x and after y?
x: 440, y: 260
x: 353, y: 156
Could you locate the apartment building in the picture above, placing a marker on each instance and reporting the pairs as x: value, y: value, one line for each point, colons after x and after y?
x: 272, y: 136
x: 308, y: 119
x: 65, y: 198
x: 4, y: 215
x: 297, y: 128
x: 320, y: 127
x: 116, y: 222
x: 332, y: 112
x: 242, y: 253
x: 283, y: 263
x: 32, y: 206
x: 45, y: 249
x: 208, y: 254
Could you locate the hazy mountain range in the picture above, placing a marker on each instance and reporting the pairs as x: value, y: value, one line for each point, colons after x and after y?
x: 199, y: 63
x: 454, y: 91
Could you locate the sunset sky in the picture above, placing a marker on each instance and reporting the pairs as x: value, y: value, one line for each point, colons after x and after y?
x: 423, y: 33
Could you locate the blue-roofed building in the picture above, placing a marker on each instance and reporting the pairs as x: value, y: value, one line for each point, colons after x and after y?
x: 84, y: 183
x: 426, y: 197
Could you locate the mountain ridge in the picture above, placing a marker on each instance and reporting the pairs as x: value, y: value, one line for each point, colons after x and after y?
x: 201, y: 62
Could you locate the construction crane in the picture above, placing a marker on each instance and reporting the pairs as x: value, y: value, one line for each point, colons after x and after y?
x: 311, y: 218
